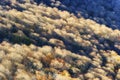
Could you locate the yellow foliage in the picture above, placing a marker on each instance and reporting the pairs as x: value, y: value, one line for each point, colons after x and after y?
x: 115, y: 56
x: 65, y: 73
x: 40, y: 77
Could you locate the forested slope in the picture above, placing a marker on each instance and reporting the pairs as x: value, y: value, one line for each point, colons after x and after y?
x: 40, y: 42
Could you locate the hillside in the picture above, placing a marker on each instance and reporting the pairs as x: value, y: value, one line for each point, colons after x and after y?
x: 44, y: 42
